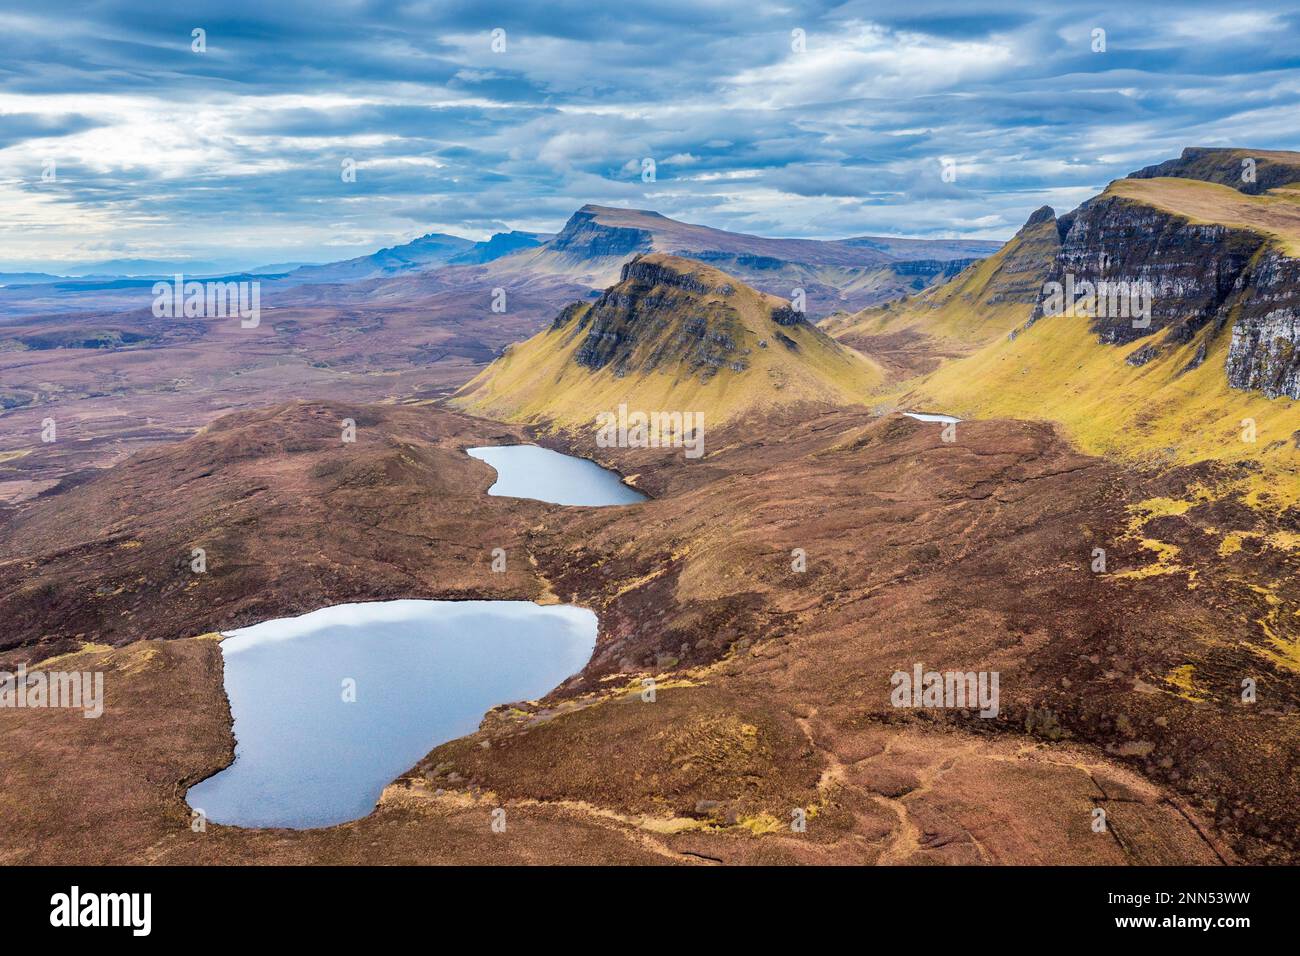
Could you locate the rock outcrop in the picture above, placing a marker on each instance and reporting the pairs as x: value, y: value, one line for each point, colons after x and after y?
x: 660, y: 306
x: 1249, y: 171
x: 1223, y: 277
x: 1265, y: 350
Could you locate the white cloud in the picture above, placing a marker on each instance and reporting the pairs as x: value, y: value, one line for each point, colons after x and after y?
x: 866, y: 60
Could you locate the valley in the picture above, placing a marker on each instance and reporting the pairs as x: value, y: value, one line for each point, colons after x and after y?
x: 1105, y: 515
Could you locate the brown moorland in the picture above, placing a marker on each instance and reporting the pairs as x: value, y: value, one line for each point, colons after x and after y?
x: 1120, y: 690
x: 115, y: 382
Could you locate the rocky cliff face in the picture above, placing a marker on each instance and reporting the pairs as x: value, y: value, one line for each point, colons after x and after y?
x: 1190, y: 269
x: 1265, y: 350
x: 1210, y: 276
x: 932, y: 269
x: 656, y: 316
x: 584, y: 237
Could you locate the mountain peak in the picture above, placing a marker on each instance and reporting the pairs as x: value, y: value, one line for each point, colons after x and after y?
x: 662, y: 268
x: 671, y: 333
x: 1041, y: 214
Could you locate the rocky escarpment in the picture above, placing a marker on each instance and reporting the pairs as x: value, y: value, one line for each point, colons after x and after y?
x: 583, y: 237
x: 1265, y: 350
x: 932, y: 269
x: 1188, y: 269
x: 1146, y: 274
x: 657, y: 316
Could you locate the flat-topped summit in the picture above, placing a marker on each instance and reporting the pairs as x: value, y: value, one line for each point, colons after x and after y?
x: 1250, y: 171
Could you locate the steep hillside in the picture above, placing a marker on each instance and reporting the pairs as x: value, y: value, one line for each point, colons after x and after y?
x: 983, y: 302
x: 597, y: 240
x: 672, y: 334
x: 1247, y: 170
x: 501, y: 244
x: 1178, y: 409
x: 1211, y: 371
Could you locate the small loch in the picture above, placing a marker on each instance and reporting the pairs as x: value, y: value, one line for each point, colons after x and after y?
x: 529, y: 471
x: 332, y: 706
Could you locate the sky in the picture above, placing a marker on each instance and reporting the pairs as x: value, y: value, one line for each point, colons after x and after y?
x: 121, y: 138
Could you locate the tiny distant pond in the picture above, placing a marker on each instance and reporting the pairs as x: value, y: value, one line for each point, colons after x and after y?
x: 423, y: 673
x: 932, y: 417
x: 528, y: 471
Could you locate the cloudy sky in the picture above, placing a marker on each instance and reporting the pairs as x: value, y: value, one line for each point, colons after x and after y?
x: 118, y: 139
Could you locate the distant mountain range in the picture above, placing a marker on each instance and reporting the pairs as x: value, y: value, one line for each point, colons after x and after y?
x: 590, y: 251
x: 426, y: 252
x: 420, y: 255
x: 834, y: 275
x: 597, y: 241
x: 132, y: 268
x: 26, y: 278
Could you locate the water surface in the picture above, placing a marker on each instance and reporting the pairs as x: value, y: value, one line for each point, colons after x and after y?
x: 529, y: 471
x: 932, y: 417
x: 423, y: 672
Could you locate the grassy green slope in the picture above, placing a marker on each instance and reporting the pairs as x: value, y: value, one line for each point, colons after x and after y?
x: 1056, y: 370
x: 983, y: 302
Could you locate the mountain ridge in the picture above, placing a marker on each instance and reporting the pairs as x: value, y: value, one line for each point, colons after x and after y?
x: 1212, y: 372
